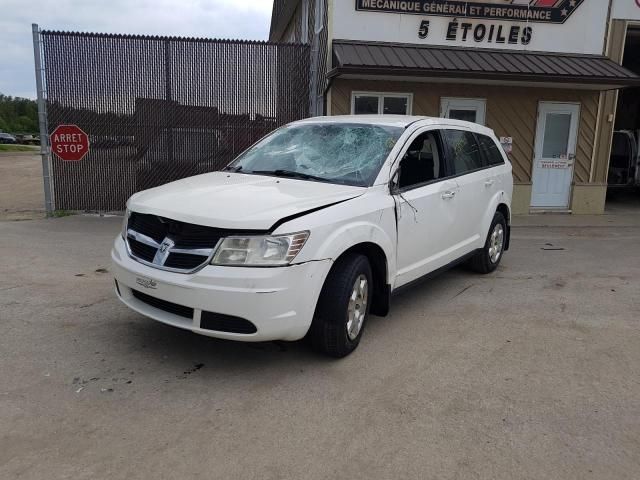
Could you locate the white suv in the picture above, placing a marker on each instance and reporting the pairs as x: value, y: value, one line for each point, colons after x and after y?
x: 314, y: 227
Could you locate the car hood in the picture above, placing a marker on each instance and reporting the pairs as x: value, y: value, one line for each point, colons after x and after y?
x: 238, y: 201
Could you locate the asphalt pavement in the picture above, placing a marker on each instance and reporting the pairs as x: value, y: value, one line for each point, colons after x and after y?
x: 529, y: 373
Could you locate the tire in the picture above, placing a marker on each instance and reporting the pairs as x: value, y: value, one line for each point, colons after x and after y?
x: 339, y: 321
x: 486, y: 260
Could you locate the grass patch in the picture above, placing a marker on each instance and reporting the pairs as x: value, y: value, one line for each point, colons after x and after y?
x: 18, y: 148
x: 62, y: 213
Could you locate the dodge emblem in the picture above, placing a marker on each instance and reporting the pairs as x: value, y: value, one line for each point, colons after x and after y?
x: 164, y: 250
x: 165, y: 245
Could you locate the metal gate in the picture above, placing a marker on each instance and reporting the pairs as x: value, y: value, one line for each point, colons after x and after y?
x: 157, y: 109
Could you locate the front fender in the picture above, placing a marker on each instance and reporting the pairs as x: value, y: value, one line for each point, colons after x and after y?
x: 344, y: 237
x: 334, y: 230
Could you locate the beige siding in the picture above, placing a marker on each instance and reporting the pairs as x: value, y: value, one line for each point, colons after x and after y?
x: 511, y: 111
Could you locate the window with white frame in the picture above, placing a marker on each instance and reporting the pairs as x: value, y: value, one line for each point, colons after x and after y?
x: 469, y: 109
x: 385, y: 103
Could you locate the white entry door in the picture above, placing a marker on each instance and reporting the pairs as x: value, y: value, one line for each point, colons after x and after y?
x: 469, y: 109
x: 555, y: 149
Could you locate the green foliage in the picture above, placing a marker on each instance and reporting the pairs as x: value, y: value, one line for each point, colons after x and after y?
x: 18, y: 115
x: 18, y: 148
x: 62, y: 213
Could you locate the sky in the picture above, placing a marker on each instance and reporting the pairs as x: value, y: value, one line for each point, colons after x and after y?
x: 244, y: 19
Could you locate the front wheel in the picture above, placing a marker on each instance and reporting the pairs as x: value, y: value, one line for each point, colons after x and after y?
x: 488, y: 259
x: 343, y: 307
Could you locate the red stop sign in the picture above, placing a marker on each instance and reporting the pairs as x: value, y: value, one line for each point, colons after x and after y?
x: 69, y: 143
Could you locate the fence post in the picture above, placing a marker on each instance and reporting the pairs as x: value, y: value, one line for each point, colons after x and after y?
x: 45, y: 151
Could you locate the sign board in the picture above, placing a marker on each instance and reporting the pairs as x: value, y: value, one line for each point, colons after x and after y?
x: 556, y: 164
x: 559, y: 162
x: 507, y: 144
x: 562, y: 26
x: 625, y: 10
x: 69, y: 143
x: 543, y: 11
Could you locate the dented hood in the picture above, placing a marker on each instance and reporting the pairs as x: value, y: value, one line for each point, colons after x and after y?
x: 238, y: 201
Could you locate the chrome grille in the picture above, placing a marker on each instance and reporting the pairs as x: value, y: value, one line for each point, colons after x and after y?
x: 142, y: 250
x: 169, y: 244
x: 173, y: 245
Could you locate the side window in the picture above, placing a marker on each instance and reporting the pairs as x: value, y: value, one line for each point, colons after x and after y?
x: 464, y: 151
x: 491, y: 150
x: 367, y: 103
x: 422, y: 162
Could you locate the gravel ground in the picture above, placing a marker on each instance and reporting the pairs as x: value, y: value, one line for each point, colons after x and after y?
x: 21, y: 187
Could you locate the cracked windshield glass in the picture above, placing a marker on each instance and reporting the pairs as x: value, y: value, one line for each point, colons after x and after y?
x: 349, y: 154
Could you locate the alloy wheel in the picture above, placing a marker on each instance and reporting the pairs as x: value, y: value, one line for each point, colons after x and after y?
x: 357, y: 308
x: 496, y: 243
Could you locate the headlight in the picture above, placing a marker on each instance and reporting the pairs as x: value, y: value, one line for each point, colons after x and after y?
x: 269, y: 251
x: 125, y: 222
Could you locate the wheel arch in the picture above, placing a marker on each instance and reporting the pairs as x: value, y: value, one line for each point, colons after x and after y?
x: 503, y: 208
x: 380, y: 271
x: 499, y: 203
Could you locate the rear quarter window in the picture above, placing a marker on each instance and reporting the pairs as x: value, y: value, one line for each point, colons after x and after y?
x: 491, y: 150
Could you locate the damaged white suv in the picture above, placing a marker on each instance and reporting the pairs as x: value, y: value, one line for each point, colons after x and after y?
x: 314, y: 227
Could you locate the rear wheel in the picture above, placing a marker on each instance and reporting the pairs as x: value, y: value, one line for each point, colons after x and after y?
x: 343, y: 307
x: 488, y: 259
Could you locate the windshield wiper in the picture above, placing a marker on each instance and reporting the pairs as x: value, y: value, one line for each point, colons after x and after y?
x: 232, y: 169
x: 290, y: 174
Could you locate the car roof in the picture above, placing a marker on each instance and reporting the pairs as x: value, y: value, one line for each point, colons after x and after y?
x: 402, y: 121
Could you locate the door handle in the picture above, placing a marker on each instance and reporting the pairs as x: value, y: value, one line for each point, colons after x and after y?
x: 489, y: 183
x: 448, y: 195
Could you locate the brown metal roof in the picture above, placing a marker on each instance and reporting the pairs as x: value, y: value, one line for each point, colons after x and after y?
x: 377, y: 58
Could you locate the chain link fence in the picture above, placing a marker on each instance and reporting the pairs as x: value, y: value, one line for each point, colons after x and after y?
x: 158, y: 109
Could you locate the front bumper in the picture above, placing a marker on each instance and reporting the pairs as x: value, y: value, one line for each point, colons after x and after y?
x: 280, y: 302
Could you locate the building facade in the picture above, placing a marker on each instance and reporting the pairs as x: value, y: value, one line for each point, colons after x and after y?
x: 545, y: 75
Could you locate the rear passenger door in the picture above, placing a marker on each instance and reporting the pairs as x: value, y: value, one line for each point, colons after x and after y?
x: 475, y: 182
x: 494, y: 161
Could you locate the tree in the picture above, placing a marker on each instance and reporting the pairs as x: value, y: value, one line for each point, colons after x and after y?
x: 18, y: 115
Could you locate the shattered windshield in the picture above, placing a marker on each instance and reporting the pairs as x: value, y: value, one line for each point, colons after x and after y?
x: 350, y: 154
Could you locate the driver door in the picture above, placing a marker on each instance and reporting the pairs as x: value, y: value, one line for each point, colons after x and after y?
x: 426, y: 204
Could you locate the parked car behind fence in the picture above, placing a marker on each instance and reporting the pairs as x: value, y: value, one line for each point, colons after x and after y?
x: 6, y: 138
x: 27, y: 139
